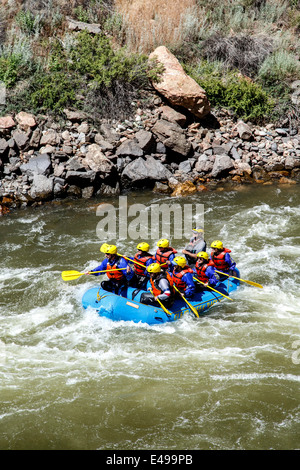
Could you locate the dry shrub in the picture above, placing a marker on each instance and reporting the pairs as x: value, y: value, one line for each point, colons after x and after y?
x: 246, y: 53
x: 148, y: 24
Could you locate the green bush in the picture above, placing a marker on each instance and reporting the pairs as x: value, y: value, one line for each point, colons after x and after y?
x: 91, y: 68
x: 53, y: 91
x: 231, y: 90
x: 94, y: 57
x: 29, y: 23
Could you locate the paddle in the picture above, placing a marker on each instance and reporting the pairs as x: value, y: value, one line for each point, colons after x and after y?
x: 212, y: 289
x: 191, y: 307
x: 72, y: 275
x: 255, y: 284
x: 161, y: 304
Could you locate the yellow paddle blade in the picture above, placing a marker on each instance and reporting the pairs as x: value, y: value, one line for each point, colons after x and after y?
x: 70, y: 275
x: 218, y: 292
x: 251, y: 283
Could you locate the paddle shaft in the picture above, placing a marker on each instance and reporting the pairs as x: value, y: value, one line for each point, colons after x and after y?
x: 161, y: 304
x: 218, y: 292
x: 74, y: 275
x: 251, y: 283
x: 191, y: 307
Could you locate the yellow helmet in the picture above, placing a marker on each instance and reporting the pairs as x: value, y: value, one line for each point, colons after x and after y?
x: 109, y: 249
x: 154, y: 268
x: 198, y: 229
x: 143, y: 246
x: 202, y: 254
x: 180, y: 261
x: 217, y: 244
x: 163, y: 243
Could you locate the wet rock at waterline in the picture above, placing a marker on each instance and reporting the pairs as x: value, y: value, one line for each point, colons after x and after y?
x: 42, y: 160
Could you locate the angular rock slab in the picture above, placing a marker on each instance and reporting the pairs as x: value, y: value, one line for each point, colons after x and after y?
x: 178, y: 87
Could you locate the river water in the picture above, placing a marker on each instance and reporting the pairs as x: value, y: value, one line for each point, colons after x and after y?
x: 70, y: 379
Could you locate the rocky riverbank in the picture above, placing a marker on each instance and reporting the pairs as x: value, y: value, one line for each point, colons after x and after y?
x: 160, y: 148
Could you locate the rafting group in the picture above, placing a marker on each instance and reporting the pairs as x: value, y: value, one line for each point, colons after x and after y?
x: 165, y: 275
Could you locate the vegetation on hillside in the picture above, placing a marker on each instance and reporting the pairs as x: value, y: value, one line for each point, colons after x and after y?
x: 244, y: 53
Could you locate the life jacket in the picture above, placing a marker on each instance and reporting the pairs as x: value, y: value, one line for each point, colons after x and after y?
x: 141, y: 260
x: 155, y: 284
x: 162, y: 256
x: 201, y: 270
x: 219, y: 260
x: 116, y: 275
x: 177, y: 277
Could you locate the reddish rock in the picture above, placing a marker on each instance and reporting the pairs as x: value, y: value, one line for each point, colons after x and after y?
x: 26, y: 120
x: 6, y: 122
x: 178, y: 87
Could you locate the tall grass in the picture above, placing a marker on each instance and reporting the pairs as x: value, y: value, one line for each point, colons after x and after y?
x: 148, y: 24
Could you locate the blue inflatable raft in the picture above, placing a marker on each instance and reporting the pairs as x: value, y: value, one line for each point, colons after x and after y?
x: 128, y: 307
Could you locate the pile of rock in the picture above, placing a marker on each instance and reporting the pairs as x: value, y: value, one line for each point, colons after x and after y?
x: 42, y: 160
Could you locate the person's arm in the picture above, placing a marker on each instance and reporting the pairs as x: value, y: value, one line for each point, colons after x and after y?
x: 228, y: 260
x: 101, y: 267
x: 166, y: 290
x: 189, y: 253
x: 210, y: 272
x: 190, y: 285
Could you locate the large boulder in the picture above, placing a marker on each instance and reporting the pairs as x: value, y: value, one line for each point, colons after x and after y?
x: 222, y: 164
x: 142, y: 170
x: 96, y: 161
x: 129, y: 148
x: 42, y: 188
x: 40, y: 165
x: 172, y: 136
x: 178, y: 87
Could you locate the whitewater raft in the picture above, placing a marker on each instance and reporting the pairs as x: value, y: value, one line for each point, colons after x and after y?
x: 127, y: 307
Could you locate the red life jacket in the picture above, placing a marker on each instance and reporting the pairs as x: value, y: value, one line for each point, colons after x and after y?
x: 116, y: 275
x: 201, y: 269
x: 177, y: 277
x: 154, y: 284
x: 162, y: 256
x: 141, y: 260
x: 219, y: 260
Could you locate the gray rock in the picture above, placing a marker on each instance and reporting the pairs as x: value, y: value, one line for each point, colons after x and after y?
x: 80, y: 178
x: 92, y: 28
x: 244, y: 130
x: 145, y: 140
x: 235, y: 154
x: 40, y: 165
x: 107, y: 190
x: 75, y: 164
x: 21, y: 139
x: 109, y: 133
x: 129, y: 148
x: 185, y: 166
x: 145, y: 169
x: 291, y: 162
x: 160, y: 148
x: 35, y: 138
x: 222, y: 164
x: 172, y: 136
x: 3, y: 146
x: 50, y: 137
x: 204, y: 164
x: 42, y: 187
